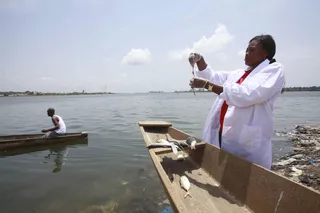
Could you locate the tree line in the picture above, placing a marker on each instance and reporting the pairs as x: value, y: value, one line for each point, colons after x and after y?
x: 33, y: 93
x: 312, y: 88
x: 287, y: 89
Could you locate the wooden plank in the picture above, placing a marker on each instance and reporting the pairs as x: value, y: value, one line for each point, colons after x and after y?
x: 160, y: 132
x: 165, y: 181
x: 154, y: 123
x: 261, y: 190
x: 159, y: 151
x: 169, y: 188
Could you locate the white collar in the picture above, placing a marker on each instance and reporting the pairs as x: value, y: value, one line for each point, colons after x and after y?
x: 260, y: 66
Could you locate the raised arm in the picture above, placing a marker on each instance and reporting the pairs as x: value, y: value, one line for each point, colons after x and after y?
x: 205, y: 71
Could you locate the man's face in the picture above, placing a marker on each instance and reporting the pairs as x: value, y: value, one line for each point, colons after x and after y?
x: 49, y: 113
x: 255, y: 54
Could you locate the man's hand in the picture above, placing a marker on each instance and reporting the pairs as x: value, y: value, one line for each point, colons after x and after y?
x: 194, y: 58
x: 44, y: 130
x: 198, y: 83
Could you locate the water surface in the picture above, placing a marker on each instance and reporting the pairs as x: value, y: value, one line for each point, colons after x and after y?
x: 113, y: 168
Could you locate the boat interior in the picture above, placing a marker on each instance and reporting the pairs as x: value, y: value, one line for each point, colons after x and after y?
x: 221, y: 182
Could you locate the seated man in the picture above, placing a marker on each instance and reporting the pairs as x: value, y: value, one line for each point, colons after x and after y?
x: 59, y: 125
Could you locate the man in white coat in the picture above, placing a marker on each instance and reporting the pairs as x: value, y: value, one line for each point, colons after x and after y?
x: 241, y: 118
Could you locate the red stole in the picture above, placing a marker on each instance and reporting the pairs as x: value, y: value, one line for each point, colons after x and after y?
x: 224, y: 107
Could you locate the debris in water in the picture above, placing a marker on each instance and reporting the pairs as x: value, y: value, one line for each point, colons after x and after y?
x: 303, y: 164
x: 110, y: 207
x: 124, y: 182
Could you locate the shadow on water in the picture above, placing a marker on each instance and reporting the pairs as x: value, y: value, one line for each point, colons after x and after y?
x: 142, y: 193
x: 137, y: 191
x: 57, y: 152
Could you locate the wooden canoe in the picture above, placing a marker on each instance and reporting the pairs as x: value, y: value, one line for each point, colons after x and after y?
x: 19, y: 141
x: 43, y: 147
x: 222, y: 182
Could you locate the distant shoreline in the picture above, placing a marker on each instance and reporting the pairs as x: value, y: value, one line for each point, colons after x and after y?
x: 287, y: 89
x: 28, y: 93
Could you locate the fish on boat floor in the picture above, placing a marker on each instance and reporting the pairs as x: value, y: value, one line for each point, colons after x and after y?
x: 207, y: 195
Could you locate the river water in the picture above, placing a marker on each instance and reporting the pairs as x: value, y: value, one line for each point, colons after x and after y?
x: 112, y: 171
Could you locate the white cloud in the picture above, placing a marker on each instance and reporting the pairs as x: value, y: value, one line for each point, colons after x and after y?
x: 137, y: 57
x: 216, y: 42
x: 242, y: 53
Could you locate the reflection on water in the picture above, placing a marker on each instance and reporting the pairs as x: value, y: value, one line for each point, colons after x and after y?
x: 59, y: 156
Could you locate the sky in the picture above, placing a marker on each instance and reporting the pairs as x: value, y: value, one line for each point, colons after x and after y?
x: 140, y: 46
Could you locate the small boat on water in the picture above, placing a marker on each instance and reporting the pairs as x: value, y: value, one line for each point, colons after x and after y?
x: 221, y: 182
x: 19, y: 141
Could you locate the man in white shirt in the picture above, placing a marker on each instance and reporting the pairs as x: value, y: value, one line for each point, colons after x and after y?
x: 241, y: 118
x: 59, y: 125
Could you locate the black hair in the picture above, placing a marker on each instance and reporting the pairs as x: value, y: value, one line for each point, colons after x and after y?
x: 268, y: 44
x: 51, y: 111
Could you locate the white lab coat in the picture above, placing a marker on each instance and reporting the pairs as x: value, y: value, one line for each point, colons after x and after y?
x: 248, y: 123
